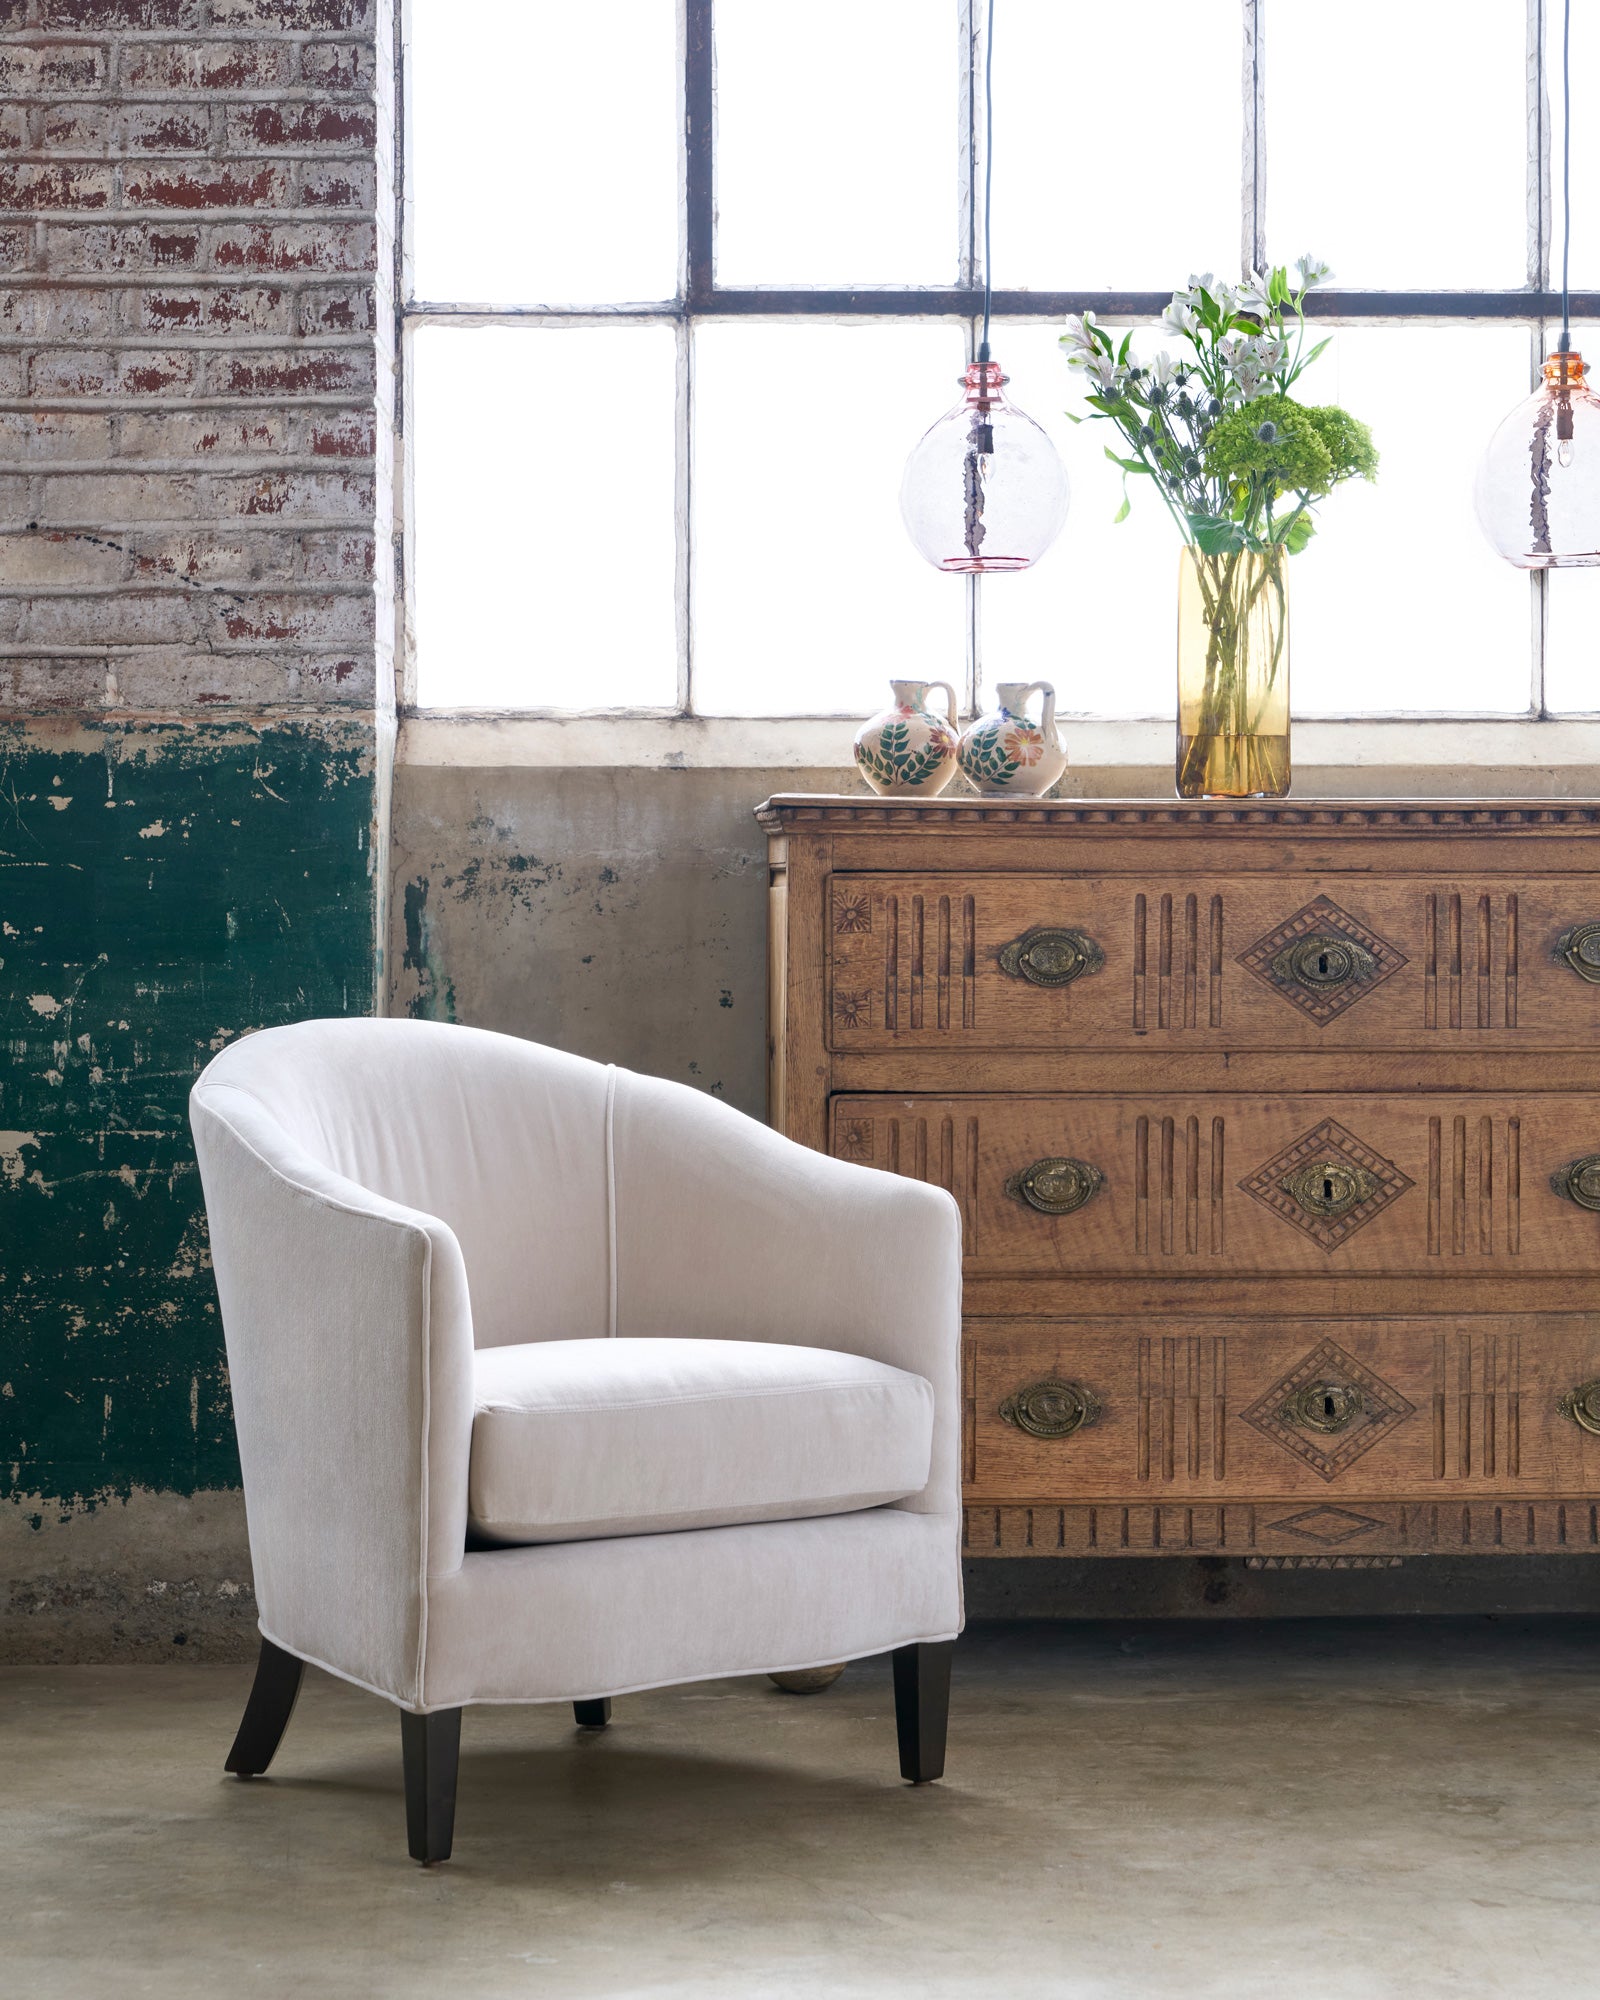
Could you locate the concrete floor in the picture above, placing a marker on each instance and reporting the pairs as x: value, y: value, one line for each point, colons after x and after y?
x: 1341, y: 1811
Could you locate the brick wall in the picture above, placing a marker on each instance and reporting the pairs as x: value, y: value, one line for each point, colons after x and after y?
x: 195, y: 334
x: 196, y: 346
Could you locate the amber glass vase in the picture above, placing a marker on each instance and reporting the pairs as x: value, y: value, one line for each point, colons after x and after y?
x: 1233, y: 675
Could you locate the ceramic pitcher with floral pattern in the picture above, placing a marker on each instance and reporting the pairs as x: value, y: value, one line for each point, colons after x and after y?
x: 1006, y: 753
x: 910, y: 748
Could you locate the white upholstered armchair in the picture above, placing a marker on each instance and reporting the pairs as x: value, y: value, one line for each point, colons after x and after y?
x: 554, y: 1382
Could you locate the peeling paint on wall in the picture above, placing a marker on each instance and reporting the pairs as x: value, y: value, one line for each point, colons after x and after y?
x: 162, y: 890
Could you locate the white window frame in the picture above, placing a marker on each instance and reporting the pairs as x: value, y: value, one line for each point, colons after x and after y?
x: 678, y: 737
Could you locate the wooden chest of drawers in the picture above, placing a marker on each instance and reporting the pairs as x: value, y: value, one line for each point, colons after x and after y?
x: 1275, y: 1132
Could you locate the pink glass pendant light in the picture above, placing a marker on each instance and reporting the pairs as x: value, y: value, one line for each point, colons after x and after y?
x: 985, y: 491
x: 1538, y: 485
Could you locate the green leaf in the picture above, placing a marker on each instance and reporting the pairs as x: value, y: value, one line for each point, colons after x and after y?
x: 1213, y: 537
x: 1321, y: 344
x: 1127, y: 464
x: 1071, y: 417
x: 1127, y: 342
x: 1301, y: 529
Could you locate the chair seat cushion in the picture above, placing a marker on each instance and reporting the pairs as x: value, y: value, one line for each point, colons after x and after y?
x: 576, y: 1439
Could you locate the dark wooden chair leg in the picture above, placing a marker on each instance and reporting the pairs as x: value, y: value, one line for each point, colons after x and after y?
x: 922, y: 1708
x: 431, y: 1747
x: 593, y: 1714
x: 267, y: 1712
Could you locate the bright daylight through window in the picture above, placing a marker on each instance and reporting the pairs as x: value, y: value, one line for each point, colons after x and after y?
x: 659, y: 391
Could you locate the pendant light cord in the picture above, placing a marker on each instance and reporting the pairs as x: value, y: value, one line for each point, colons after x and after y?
x: 1566, y: 170
x: 989, y: 171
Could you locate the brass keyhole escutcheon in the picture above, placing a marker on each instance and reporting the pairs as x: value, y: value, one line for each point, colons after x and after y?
x: 1580, y: 947
x: 1051, y: 956
x: 1051, y: 1408
x: 1583, y: 1406
x: 1579, y: 1181
x: 1056, y: 1187
x: 1323, y: 960
x: 1329, y: 1187
x: 1326, y: 1407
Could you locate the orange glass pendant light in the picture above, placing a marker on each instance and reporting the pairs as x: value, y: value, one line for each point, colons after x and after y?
x: 985, y: 491
x: 1538, y: 485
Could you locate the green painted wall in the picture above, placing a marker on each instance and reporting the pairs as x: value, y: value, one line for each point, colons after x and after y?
x: 162, y: 890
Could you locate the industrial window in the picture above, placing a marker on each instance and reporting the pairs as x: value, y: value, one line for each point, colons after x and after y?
x: 686, y: 283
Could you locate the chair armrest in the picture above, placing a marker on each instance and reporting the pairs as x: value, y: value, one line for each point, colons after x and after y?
x: 727, y: 1230
x: 349, y: 1337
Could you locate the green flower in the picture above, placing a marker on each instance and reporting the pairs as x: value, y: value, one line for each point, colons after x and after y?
x: 1348, y: 440
x: 1274, y: 439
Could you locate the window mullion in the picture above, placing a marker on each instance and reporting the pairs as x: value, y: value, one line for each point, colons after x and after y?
x: 1539, y: 279
x: 1253, y: 234
x: 969, y: 267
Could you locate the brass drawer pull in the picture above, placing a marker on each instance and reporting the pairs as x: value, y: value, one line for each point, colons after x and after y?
x: 1580, y: 947
x: 1329, y: 1187
x: 1579, y: 1181
x: 1323, y: 960
x: 1583, y: 1406
x: 1051, y: 1409
x: 1056, y: 1187
x: 1326, y: 1407
x: 1047, y: 956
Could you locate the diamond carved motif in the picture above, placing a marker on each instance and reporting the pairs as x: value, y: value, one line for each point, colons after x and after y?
x: 1323, y: 984
x: 1380, y: 1409
x: 1361, y: 1183
x: 1328, y: 1525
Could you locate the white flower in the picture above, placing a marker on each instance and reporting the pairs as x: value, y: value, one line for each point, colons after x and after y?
x: 1180, y: 317
x: 1310, y: 271
x: 1204, y: 283
x: 1079, y: 332
x: 1162, y: 369
x: 1101, y: 366
x: 1253, y: 296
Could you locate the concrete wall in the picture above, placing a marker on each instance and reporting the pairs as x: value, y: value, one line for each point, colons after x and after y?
x: 195, y: 370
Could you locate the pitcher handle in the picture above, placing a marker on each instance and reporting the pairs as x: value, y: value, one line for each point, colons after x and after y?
x: 950, y: 698
x: 1047, y: 720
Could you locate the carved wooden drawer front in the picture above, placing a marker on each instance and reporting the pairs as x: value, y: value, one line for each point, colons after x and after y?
x: 1312, y: 961
x: 1302, y: 1409
x: 1221, y: 1184
x: 1275, y: 1132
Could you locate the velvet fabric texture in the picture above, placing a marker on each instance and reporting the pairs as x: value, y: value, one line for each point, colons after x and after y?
x: 388, y: 1198
x: 577, y: 1439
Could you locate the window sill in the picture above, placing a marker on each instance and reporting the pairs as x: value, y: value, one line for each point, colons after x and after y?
x: 1460, y: 750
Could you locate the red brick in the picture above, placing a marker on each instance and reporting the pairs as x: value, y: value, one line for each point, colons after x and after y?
x: 300, y: 372
x: 203, y: 434
x: 292, y: 496
x: 179, y: 184
x: 158, y: 373
x: 209, y: 66
x: 44, y: 187
x: 14, y: 135
x: 338, y: 184
x: 32, y: 560
x: 87, y: 15
x: 308, y: 246
x: 240, y: 556
x: 80, y: 129
x: 348, y: 309
x: 53, y: 69
x: 320, y: 128
x: 211, y: 309
x: 344, y: 436
x: 339, y: 65
x: 167, y: 128
x: 337, y: 619
x: 304, y: 16
x: 102, y: 247
x: 16, y: 248
x: 71, y: 371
